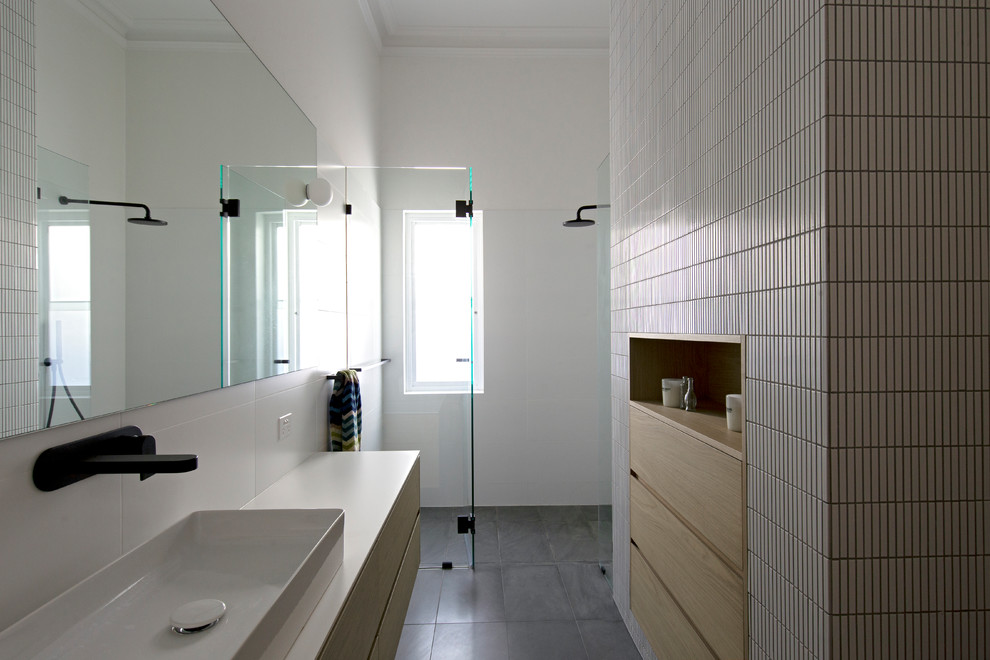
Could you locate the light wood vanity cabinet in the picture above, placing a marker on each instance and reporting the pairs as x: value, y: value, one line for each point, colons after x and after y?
x: 371, y: 620
x: 687, y: 500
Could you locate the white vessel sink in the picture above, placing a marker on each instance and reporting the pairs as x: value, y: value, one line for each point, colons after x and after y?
x: 269, y: 567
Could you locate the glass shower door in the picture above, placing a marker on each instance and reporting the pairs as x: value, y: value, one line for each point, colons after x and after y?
x: 604, y: 372
x: 433, y: 319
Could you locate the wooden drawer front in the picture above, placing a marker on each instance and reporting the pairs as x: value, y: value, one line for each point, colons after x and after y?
x: 710, y: 593
x: 394, y: 537
x: 701, y: 483
x: 395, y: 612
x: 669, y: 632
x: 354, y: 632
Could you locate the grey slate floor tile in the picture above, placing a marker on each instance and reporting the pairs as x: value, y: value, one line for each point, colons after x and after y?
x: 608, y: 640
x: 415, y: 643
x: 425, y: 597
x: 477, y: 641
x: 534, y: 593
x: 588, y: 592
x: 573, y: 541
x: 517, y: 513
x: 486, y: 544
x: 523, y: 541
x: 572, y: 514
x: 468, y: 596
x: 545, y: 640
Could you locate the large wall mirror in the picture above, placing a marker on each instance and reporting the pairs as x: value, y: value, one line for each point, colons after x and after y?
x: 143, y: 102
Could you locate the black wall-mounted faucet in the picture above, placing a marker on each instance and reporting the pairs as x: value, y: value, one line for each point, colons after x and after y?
x: 122, y: 451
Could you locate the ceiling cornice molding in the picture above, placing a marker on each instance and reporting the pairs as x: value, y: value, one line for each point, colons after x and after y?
x: 371, y: 20
x: 489, y: 53
x: 106, y: 17
x: 388, y: 17
x: 393, y: 36
x: 128, y: 32
x: 188, y: 46
x: 575, y: 38
x: 218, y: 31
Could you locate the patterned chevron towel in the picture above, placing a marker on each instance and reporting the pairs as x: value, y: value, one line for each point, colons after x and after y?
x: 344, y: 412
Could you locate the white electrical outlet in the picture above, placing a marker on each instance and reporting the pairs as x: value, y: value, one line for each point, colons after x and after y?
x: 284, y: 426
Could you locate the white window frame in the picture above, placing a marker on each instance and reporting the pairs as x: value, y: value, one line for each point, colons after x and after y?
x: 411, y: 384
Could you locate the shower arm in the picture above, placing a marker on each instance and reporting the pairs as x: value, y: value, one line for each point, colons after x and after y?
x: 63, y: 200
x: 590, y: 207
x: 587, y: 207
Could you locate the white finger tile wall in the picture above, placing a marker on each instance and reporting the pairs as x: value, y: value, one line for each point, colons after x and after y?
x: 814, y: 175
x: 908, y: 218
x: 18, y: 230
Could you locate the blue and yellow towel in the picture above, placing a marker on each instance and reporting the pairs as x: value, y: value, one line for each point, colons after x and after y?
x: 344, y: 412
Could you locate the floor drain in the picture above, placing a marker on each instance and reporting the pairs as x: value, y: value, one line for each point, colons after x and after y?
x: 197, y: 616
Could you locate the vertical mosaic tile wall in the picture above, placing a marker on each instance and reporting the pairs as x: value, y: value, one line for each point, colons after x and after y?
x: 816, y: 175
x: 18, y: 230
x: 718, y: 228
x: 908, y: 214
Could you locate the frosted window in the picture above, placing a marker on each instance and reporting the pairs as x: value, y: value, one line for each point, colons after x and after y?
x: 443, y: 306
x: 68, y: 263
x: 69, y: 301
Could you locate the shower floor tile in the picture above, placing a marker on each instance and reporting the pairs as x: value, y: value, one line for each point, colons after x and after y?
x: 537, y: 590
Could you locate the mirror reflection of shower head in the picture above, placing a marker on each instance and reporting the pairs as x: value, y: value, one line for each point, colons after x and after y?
x: 146, y: 220
x: 584, y: 222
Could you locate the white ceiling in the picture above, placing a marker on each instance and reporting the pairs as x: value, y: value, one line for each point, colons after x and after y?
x: 572, y: 24
x: 491, y: 23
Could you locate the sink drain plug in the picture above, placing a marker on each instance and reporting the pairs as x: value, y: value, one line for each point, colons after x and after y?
x: 197, y: 616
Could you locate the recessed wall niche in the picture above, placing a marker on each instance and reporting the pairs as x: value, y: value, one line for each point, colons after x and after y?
x: 715, y: 362
x: 687, y: 482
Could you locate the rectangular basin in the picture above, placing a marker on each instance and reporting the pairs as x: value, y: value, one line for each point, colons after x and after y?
x: 269, y: 567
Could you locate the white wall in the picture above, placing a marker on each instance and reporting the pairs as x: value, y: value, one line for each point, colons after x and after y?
x: 534, y: 128
x: 322, y: 52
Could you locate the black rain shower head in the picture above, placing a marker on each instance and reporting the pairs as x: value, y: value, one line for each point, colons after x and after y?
x: 146, y: 220
x: 584, y: 222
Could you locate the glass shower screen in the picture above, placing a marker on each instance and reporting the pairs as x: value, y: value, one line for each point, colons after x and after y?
x: 433, y: 329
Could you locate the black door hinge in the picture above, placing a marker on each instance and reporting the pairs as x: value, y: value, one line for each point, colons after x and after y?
x: 230, y: 208
x: 464, y: 209
x: 465, y: 524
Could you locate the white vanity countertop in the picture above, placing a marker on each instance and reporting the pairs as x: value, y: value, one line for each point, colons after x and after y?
x: 365, y: 485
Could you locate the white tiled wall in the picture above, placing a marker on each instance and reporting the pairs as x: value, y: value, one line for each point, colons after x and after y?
x: 814, y: 175
x: 718, y: 227
x: 18, y: 224
x: 909, y: 330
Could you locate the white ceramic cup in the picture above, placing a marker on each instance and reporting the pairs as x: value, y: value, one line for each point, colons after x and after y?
x: 734, y: 412
x: 672, y: 395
